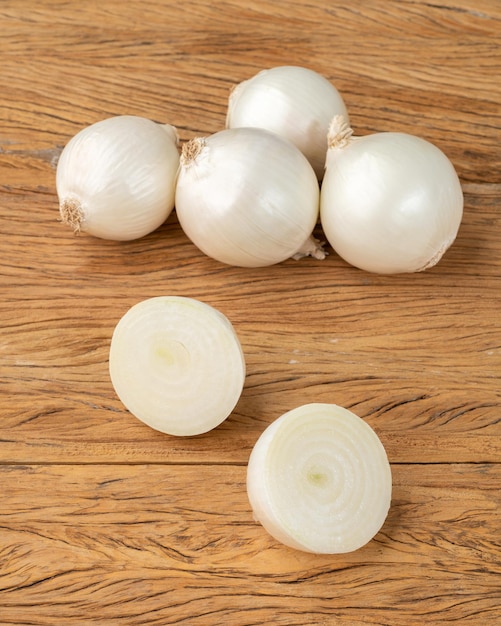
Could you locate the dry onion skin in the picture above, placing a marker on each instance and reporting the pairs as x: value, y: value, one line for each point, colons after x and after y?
x: 295, y: 102
x: 390, y: 202
x: 319, y: 480
x: 247, y: 197
x: 116, y: 179
x: 177, y: 365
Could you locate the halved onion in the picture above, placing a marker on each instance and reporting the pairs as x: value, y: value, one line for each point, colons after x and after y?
x: 177, y: 365
x: 319, y: 480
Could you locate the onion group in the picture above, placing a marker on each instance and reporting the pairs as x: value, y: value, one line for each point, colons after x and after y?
x: 318, y: 477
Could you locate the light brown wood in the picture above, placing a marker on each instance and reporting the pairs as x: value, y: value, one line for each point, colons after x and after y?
x: 104, y: 521
x: 144, y: 542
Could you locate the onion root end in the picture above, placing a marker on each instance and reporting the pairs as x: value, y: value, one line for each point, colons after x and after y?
x: 311, y: 247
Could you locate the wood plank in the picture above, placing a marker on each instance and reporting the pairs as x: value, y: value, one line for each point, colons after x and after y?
x: 416, y: 355
x: 143, y: 544
x: 448, y: 59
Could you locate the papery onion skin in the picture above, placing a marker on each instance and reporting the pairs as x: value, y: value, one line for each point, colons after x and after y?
x: 177, y: 365
x: 295, y: 102
x: 246, y: 197
x: 116, y: 178
x: 390, y: 202
x: 319, y: 480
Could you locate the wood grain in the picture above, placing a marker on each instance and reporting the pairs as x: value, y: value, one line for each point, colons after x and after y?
x: 98, y: 541
x: 104, y: 521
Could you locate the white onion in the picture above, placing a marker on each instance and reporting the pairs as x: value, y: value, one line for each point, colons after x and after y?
x: 294, y: 102
x: 177, y: 365
x: 319, y: 480
x: 116, y: 178
x: 390, y: 202
x: 247, y: 197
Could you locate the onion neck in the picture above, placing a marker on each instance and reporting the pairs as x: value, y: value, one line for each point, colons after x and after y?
x: 171, y: 132
x: 437, y: 255
x: 340, y: 133
x: 191, y: 150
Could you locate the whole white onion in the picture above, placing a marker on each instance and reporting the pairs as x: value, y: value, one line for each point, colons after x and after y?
x: 390, y: 202
x: 247, y: 197
x: 295, y: 102
x: 116, y: 178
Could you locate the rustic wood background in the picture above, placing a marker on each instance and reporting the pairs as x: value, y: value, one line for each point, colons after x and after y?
x: 104, y: 521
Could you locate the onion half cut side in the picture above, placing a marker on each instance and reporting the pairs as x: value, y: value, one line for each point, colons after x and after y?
x: 319, y: 480
x: 177, y: 365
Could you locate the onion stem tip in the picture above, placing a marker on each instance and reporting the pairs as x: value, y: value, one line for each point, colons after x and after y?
x: 71, y: 213
x: 340, y: 133
x: 191, y: 150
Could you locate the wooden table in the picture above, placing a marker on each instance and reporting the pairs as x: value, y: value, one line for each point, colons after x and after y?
x: 105, y: 521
